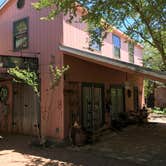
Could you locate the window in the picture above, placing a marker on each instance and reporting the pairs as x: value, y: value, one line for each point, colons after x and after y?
x: 20, y: 4
x: 117, y: 45
x: 95, y: 41
x: 131, y: 52
x: 20, y: 34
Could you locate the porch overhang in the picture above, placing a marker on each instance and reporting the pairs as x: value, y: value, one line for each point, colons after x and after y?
x: 115, y: 64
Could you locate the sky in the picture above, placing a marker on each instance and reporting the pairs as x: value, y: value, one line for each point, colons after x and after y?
x: 2, y: 1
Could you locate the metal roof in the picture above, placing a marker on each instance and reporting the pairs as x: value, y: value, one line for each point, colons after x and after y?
x: 116, y: 64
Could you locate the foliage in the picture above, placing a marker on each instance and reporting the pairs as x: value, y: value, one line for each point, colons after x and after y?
x: 25, y: 76
x: 152, y: 58
x: 143, y: 20
x: 158, y: 110
x: 57, y: 73
x: 148, y: 87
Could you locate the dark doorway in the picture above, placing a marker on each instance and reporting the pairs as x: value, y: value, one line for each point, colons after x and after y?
x: 136, y: 100
x: 92, y: 106
x: 117, y: 101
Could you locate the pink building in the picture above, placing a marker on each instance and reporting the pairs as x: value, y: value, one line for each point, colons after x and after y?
x: 100, y: 77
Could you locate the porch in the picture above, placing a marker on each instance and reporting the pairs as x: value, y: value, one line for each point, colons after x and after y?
x: 98, y: 88
x: 95, y: 95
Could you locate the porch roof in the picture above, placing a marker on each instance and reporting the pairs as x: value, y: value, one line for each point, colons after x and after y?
x: 115, y: 64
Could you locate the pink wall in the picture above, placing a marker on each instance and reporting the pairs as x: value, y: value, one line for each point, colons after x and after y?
x: 76, y: 36
x: 160, y: 97
x: 44, y: 37
x: 84, y: 71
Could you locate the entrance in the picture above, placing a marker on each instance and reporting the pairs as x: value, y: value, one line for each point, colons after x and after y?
x: 92, y: 106
x: 117, y: 101
x: 25, y: 110
x: 136, y: 99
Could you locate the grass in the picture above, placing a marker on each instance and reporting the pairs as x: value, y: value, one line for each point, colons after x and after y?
x: 158, y: 110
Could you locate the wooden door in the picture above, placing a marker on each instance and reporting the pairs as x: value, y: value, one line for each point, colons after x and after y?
x: 136, y: 99
x: 117, y: 101
x: 92, y: 106
x: 25, y: 110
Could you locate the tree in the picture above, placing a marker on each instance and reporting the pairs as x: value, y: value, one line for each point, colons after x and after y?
x: 142, y: 20
x: 152, y: 59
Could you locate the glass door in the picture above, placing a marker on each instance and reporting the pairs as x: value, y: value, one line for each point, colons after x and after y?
x: 92, y: 106
x: 117, y: 101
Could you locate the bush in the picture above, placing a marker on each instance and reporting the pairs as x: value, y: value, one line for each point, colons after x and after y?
x: 158, y: 110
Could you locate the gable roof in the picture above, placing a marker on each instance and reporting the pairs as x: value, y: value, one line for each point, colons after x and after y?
x: 116, y: 64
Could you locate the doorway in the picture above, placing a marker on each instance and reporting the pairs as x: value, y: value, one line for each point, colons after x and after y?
x: 117, y: 101
x: 25, y: 110
x: 92, y: 106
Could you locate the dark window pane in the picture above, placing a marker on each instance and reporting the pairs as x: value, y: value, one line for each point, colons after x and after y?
x: 116, y: 52
x: 131, y: 52
x: 20, y: 34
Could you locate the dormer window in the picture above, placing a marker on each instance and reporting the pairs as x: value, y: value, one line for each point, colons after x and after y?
x: 117, y: 45
x: 95, y: 41
x: 131, y: 52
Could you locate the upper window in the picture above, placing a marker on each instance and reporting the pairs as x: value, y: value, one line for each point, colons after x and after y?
x: 131, y: 52
x: 95, y: 41
x: 20, y: 4
x: 117, y: 45
x: 20, y: 34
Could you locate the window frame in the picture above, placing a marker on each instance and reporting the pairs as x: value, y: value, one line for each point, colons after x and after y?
x: 20, y: 35
x: 115, y: 47
x: 131, y: 49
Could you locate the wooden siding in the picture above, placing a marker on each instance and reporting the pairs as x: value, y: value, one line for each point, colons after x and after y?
x: 76, y: 36
x: 44, y: 38
x: 25, y: 110
x: 6, y: 112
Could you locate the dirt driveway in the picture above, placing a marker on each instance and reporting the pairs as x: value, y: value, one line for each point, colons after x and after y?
x: 134, y: 146
x: 143, y: 144
x: 16, y: 151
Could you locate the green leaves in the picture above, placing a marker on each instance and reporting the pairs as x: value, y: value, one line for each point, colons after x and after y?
x: 25, y: 76
x: 56, y: 74
x: 143, y: 20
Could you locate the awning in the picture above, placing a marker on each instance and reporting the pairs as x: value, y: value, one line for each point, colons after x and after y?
x: 115, y: 64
